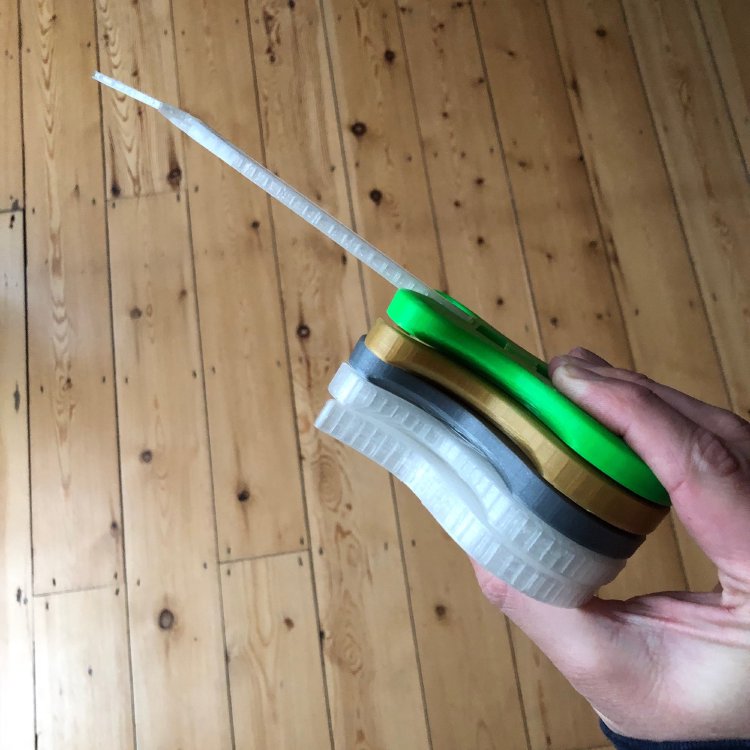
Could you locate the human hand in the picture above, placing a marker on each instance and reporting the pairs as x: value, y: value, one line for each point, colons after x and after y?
x: 673, y: 665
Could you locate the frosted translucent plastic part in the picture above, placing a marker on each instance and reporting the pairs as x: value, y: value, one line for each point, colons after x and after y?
x: 449, y: 499
x: 554, y: 508
x: 284, y: 193
x: 463, y: 492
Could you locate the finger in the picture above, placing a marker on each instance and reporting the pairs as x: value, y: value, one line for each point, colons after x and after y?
x: 708, y: 483
x: 724, y: 423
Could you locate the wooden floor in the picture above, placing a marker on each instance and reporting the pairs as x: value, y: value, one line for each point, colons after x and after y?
x: 184, y: 561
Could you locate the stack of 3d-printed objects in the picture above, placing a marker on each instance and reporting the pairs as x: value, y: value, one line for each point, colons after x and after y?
x: 513, y: 495
x: 528, y: 484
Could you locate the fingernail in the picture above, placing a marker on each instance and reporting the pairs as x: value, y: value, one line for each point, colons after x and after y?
x: 573, y: 380
x: 558, y: 361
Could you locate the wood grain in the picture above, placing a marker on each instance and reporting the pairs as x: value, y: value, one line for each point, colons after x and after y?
x: 727, y: 26
x: 273, y: 649
x: 144, y: 153
x: 570, y: 278
x: 371, y: 77
x: 369, y: 651
x: 74, y: 478
x: 381, y: 142
x: 16, y: 622
x: 662, y: 308
x: 565, y: 251
x: 83, y: 693
x: 484, y: 263
x: 11, y: 151
x: 707, y: 171
x: 531, y: 190
x: 556, y: 716
x: 174, y: 593
x: 465, y: 650
x: 257, y: 482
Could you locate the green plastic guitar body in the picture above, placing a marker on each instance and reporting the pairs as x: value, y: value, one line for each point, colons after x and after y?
x: 478, y: 346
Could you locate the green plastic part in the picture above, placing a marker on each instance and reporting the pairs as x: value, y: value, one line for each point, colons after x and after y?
x: 478, y: 346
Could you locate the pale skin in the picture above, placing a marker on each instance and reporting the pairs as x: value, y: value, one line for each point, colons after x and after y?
x: 673, y: 665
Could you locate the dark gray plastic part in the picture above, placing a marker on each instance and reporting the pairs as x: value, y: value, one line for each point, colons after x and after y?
x: 544, y: 500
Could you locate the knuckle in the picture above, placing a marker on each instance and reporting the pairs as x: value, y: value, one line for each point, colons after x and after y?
x: 709, y: 454
x: 643, y: 380
x: 635, y: 394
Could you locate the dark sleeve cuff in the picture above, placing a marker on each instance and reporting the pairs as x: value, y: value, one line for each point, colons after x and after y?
x: 630, y: 743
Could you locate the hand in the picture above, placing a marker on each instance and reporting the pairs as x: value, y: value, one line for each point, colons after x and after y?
x: 671, y: 665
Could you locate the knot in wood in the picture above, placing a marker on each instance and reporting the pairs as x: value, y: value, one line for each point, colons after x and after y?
x: 166, y: 619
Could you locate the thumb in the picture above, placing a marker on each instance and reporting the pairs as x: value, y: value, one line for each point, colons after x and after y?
x: 708, y: 482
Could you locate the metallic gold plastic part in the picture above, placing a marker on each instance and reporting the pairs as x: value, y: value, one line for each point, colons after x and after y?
x: 559, y: 465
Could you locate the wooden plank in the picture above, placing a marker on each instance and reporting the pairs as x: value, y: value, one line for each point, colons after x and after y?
x: 485, y: 267
x: 565, y: 252
x: 727, y: 25
x: 273, y: 648
x: 176, y: 634
x: 465, y: 651
x: 472, y: 698
x: 74, y: 478
x: 369, y: 651
x: 381, y: 142
x: 83, y: 692
x: 656, y: 284
x: 258, y: 493
x: 466, y: 705
x: 144, y: 153
x: 561, y: 235
x: 16, y: 643
x: 11, y: 158
x: 556, y: 716
x: 707, y: 171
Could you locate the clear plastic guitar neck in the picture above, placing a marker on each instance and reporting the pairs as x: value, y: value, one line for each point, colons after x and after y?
x: 285, y: 194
